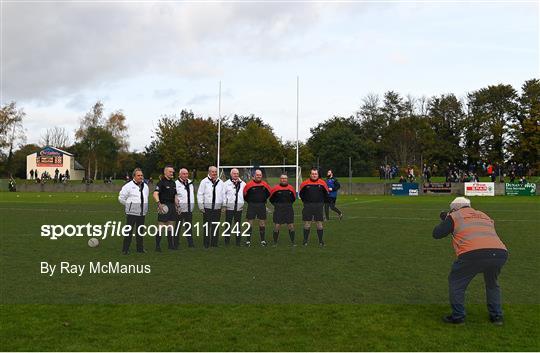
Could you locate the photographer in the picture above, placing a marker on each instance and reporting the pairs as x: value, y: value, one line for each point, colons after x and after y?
x: 478, y: 250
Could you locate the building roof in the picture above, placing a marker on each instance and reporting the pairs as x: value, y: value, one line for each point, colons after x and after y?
x: 54, y: 149
x: 58, y: 150
x: 78, y: 166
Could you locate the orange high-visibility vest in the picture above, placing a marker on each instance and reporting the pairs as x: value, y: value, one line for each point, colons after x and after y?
x: 474, y: 230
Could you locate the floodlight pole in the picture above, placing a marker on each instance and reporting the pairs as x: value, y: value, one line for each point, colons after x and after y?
x: 297, y: 115
x: 219, y: 127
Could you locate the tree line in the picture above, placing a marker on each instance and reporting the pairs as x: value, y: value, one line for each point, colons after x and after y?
x: 496, y: 124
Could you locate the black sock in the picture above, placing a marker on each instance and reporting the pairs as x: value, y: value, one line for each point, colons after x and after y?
x: 170, y: 240
x: 306, y: 234
x: 158, y: 240
x: 320, y: 234
x: 291, y: 235
x: 262, y: 232
x: 276, y: 235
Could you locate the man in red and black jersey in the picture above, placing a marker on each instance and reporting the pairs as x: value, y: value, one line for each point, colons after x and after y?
x: 314, y: 193
x: 256, y: 192
x: 282, y: 197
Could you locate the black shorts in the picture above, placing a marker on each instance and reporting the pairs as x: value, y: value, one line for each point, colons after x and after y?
x: 313, y: 212
x: 170, y: 216
x: 256, y: 210
x: 283, y: 214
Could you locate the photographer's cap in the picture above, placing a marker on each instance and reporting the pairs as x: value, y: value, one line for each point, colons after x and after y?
x: 460, y: 202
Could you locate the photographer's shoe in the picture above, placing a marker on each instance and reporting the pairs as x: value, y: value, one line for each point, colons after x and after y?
x: 451, y: 320
x: 496, y: 320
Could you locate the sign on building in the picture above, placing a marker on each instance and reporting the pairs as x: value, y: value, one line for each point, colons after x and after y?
x: 49, y: 157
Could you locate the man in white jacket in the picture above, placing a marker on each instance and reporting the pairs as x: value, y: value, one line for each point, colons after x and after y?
x: 234, y: 202
x: 185, y: 203
x: 210, y: 200
x: 134, y: 197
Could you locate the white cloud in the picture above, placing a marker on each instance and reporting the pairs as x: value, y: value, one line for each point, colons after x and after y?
x: 54, y: 50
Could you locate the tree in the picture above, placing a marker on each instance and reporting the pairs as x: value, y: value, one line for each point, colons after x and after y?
x: 393, y: 107
x: 18, y: 165
x: 100, y: 147
x: 525, y: 145
x: 252, y: 142
x: 56, y: 137
x: 185, y: 141
x: 493, y: 111
x: 99, y: 140
x: 305, y: 156
x: 446, y: 117
x: 372, y: 127
x: 116, y: 125
x: 337, y: 139
x: 11, y: 131
x: 407, y: 138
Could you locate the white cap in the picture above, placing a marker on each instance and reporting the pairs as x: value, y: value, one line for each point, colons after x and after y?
x: 460, y: 202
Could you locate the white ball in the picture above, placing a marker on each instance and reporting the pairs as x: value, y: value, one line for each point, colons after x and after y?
x: 93, y: 242
x: 163, y: 210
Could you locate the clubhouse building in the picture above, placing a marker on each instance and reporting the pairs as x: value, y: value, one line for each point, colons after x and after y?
x: 49, y: 159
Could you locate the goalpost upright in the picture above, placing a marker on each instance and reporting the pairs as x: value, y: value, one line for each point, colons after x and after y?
x: 297, y: 115
x: 219, y: 128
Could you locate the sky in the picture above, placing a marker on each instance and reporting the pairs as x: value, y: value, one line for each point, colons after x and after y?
x: 149, y: 59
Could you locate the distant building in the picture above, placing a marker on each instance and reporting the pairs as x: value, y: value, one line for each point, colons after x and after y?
x: 49, y: 159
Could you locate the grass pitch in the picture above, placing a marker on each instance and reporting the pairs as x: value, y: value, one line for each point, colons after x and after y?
x: 379, y: 284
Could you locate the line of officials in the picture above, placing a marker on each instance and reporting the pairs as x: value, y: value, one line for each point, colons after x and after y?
x: 176, y: 203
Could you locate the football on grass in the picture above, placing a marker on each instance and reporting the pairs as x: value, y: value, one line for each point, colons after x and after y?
x: 93, y: 242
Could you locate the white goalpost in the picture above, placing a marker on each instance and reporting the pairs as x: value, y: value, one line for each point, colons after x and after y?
x: 251, y: 168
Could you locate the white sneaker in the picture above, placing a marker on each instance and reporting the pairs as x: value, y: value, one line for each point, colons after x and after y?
x: 263, y: 243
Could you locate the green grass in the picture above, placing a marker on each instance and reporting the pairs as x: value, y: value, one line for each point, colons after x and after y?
x: 380, y: 284
x: 275, y: 180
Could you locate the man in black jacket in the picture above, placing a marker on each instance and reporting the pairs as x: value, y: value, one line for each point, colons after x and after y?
x: 314, y: 193
x: 164, y: 195
x: 282, y: 197
x: 256, y: 193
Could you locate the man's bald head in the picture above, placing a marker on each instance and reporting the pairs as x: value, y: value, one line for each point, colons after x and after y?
x: 212, y: 172
x: 258, y: 175
x: 235, y: 173
x: 183, y: 174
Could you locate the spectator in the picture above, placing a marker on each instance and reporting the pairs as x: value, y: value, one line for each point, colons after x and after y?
x: 12, y: 185
x: 410, y: 174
